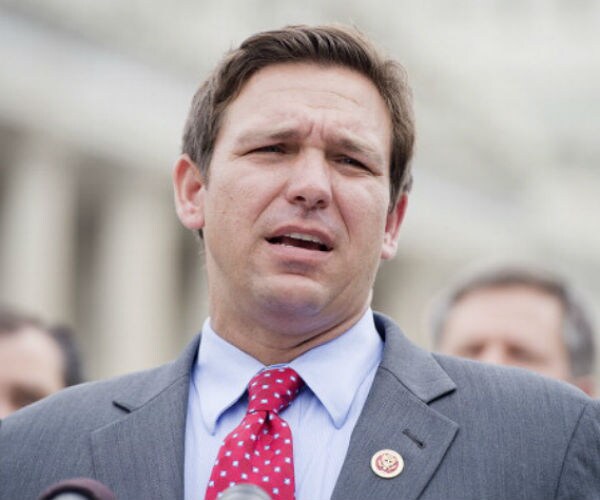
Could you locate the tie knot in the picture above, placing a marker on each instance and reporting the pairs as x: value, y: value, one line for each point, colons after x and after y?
x: 273, y: 389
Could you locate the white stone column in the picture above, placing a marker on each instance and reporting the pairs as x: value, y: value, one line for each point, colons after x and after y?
x: 136, y: 277
x: 196, y: 293
x: 405, y: 287
x: 38, y: 237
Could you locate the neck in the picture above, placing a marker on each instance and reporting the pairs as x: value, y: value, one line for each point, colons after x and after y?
x: 281, y: 340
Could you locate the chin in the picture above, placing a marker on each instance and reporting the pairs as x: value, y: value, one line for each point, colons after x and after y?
x: 297, y: 298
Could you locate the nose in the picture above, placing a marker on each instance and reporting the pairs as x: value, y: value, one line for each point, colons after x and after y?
x: 494, y: 354
x: 309, y: 183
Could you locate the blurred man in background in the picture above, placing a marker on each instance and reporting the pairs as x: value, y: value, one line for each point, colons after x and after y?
x: 521, y: 317
x: 35, y: 360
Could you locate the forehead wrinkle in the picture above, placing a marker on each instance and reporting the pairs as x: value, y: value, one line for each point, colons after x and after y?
x: 279, y: 132
x: 324, y: 91
x: 357, y: 102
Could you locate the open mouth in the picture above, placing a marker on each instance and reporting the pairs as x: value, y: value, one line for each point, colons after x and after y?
x: 306, y: 241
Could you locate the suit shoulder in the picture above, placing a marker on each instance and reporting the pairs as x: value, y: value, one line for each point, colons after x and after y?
x: 529, y: 426
x: 467, y: 371
x: 87, y: 406
x: 52, y: 439
x: 508, y: 386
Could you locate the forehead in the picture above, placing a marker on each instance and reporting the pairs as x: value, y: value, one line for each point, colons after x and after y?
x: 285, y: 91
x: 32, y: 352
x: 521, y: 309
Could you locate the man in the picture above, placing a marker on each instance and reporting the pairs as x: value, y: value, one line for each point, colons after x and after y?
x: 35, y: 360
x: 518, y: 316
x: 295, y: 170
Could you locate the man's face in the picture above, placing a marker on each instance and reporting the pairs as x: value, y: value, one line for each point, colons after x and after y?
x: 509, y: 325
x: 295, y: 214
x: 31, y: 367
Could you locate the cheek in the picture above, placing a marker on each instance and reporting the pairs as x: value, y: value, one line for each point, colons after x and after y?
x: 557, y: 364
x: 236, y: 209
x: 365, y: 215
x: 226, y: 202
x: 246, y: 191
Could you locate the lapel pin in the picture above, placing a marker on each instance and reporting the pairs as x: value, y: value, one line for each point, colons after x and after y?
x: 387, y: 463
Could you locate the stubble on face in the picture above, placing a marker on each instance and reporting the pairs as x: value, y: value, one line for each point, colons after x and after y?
x: 297, y: 207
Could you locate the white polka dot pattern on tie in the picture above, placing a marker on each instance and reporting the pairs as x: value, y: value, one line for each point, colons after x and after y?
x: 260, y: 449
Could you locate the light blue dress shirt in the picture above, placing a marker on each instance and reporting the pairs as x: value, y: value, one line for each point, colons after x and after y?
x: 338, y: 376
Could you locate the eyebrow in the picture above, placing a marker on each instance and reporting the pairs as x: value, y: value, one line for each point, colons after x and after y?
x: 357, y: 146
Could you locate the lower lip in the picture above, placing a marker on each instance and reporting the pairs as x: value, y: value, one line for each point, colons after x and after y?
x: 298, y: 254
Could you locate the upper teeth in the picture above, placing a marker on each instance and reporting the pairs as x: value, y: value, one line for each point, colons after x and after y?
x: 304, y: 237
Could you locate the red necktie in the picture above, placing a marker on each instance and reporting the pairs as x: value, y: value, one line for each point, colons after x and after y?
x: 259, y: 450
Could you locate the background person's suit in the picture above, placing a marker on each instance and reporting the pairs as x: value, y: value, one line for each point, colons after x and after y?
x: 466, y: 431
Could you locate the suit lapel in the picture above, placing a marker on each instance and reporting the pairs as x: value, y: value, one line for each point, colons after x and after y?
x: 141, y: 455
x: 396, y: 416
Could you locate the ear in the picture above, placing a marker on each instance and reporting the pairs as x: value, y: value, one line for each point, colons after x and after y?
x: 392, y: 228
x: 190, y: 189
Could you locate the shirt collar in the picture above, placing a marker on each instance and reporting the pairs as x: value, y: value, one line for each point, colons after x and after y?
x: 221, y: 375
x: 333, y: 371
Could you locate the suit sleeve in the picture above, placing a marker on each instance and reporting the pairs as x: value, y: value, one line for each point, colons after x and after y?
x: 580, y: 477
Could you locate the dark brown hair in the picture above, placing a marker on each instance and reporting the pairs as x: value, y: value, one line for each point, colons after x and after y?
x: 323, y: 45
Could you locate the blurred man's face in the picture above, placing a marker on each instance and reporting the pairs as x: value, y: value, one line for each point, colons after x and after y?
x: 31, y: 367
x: 511, y: 325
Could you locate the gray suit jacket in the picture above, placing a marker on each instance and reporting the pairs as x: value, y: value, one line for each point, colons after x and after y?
x: 465, y: 430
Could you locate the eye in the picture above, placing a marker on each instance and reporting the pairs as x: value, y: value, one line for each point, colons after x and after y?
x: 23, y: 396
x: 471, y: 350
x: 521, y: 354
x: 352, y: 162
x: 271, y: 148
